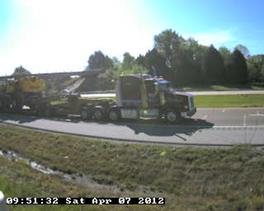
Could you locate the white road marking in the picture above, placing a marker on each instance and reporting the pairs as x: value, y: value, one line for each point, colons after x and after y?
x: 244, y: 120
x: 223, y: 110
x: 257, y: 115
x: 237, y: 126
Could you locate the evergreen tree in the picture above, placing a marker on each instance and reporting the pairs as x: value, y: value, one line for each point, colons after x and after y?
x: 20, y: 72
x: 213, y: 69
x: 156, y: 64
x: 243, y: 49
x: 237, y: 68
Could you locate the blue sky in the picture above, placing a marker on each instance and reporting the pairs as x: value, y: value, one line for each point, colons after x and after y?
x: 5, y: 16
x: 234, y: 21
x: 59, y: 35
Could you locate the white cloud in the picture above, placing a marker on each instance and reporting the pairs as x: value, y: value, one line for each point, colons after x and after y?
x: 60, y: 35
x: 217, y: 38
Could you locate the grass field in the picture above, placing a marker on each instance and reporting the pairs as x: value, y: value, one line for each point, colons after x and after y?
x: 19, y: 180
x: 224, y: 87
x: 189, y: 178
x: 215, y: 101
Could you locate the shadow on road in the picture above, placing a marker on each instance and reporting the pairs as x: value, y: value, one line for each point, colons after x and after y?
x: 24, y: 118
x: 149, y: 127
x: 161, y: 128
x: 17, y: 117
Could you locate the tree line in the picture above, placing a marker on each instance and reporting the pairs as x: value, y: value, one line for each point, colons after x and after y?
x: 184, y: 62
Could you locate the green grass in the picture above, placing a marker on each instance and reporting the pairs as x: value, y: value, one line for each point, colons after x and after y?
x: 215, y: 101
x: 18, y: 180
x: 58, y: 102
x: 189, y: 178
x: 224, y: 87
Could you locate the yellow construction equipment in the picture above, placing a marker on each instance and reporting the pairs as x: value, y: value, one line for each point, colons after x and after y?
x: 26, y: 91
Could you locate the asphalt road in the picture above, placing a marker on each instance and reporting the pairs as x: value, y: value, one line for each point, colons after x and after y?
x: 220, y: 127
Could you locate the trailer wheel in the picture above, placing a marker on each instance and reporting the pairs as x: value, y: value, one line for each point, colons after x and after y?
x: 113, y: 115
x: 172, y: 116
x: 98, y: 114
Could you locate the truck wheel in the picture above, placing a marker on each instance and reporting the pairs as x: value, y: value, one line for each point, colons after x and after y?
x: 98, y: 114
x: 113, y: 115
x: 172, y: 116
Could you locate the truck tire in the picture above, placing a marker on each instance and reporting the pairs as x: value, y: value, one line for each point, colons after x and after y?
x: 98, y: 114
x: 113, y: 115
x: 172, y: 116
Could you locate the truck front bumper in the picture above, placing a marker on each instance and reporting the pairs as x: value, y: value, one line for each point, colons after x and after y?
x: 191, y: 112
x: 188, y: 113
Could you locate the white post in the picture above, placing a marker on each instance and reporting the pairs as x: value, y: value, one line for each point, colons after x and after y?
x: 2, y: 202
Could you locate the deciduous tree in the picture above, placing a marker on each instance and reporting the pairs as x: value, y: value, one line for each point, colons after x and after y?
x: 99, y: 61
